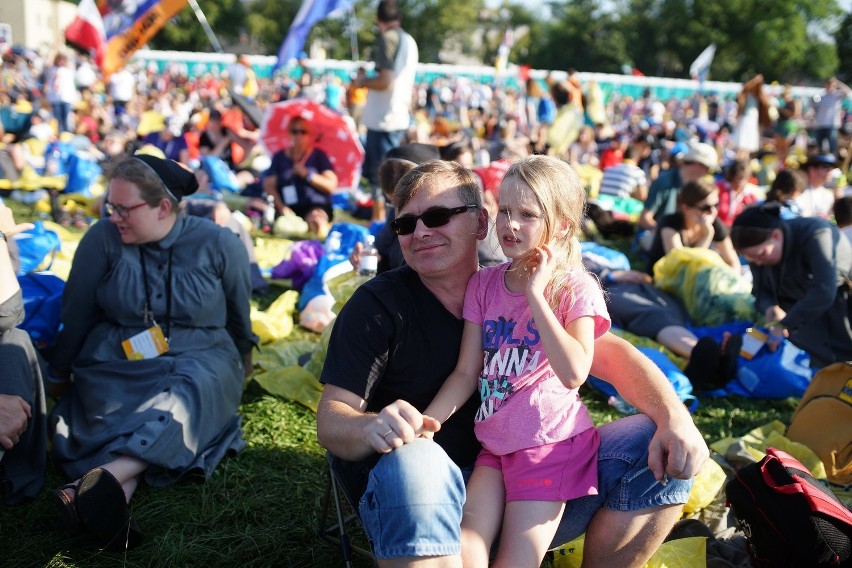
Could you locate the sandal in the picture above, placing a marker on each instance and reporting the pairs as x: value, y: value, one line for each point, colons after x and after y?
x: 103, y: 510
x: 67, y: 508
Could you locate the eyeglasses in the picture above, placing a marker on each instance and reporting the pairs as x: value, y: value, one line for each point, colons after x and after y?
x: 120, y: 210
x: 434, y: 217
x: 298, y: 132
x: 708, y: 208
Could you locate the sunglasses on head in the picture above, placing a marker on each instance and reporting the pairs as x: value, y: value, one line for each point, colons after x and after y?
x: 708, y: 208
x: 434, y: 217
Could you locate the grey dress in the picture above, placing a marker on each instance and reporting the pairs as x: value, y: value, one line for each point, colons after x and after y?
x: 177, y: 412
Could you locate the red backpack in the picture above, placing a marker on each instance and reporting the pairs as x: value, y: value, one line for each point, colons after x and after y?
x: 790, y: 518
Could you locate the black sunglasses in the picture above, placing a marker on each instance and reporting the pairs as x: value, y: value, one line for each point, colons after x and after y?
x: 434, y: 217
x: 297, y: 131
x: 708, y: 208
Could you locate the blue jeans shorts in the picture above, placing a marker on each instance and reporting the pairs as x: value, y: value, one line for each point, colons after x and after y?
x: 415, y: 494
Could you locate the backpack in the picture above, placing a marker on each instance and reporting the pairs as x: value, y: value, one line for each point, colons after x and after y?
x: 823, y: 421
x: 789, y: 518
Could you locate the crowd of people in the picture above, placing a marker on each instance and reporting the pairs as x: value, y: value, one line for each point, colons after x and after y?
x: 463, y: 175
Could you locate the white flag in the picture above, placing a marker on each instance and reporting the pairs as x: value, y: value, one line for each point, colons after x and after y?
x: 702, y: 63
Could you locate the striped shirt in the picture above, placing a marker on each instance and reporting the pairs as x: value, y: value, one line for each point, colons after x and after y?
x: 622, y: 180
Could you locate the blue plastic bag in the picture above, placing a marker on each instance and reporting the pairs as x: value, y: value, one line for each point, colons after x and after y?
x: 42, y: 292
x: 678, y: 380
x: 221, y: 176
x: 350, y: 234
x: 36, y: 248
x: 781, y: 374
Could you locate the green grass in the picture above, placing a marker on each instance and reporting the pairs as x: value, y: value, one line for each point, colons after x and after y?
x: 261, y: 508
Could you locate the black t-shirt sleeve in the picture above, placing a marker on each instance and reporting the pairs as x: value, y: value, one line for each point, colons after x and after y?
x: 359, y: 345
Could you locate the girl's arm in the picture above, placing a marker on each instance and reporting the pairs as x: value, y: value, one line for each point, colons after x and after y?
x: 461, y: 383
x: 570, y: 350
x: 671, y: 239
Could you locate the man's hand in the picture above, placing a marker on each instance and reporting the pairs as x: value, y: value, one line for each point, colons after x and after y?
x: 398, y: 423
x: 677, y: 450
x: 14, y: 413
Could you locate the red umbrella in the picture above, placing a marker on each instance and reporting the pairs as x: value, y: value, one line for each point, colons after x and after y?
x: 332, y: 134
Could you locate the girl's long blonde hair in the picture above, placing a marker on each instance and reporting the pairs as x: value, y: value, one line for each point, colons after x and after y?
x: 562, y: 198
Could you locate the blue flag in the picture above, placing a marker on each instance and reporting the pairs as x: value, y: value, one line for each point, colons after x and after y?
x: 311, y: 12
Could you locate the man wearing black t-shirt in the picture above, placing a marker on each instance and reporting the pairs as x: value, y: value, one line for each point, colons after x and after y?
x: 392, y: 346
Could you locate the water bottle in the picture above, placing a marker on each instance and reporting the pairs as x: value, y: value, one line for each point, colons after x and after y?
x: 269, y: 214
x: 369, y: 258
x: 332, y: 242
x: 51, y: 167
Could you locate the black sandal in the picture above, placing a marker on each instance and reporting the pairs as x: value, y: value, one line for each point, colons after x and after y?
x: 103, y: 510
x: 67, y: 508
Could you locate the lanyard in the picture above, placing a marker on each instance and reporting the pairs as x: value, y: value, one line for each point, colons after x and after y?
x: 148, y: 313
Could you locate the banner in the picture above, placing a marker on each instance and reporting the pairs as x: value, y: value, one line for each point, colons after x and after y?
x: 115, y: 30
x: 311, y: 12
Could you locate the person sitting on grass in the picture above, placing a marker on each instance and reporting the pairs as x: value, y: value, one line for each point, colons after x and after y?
x: 155, y: 345
x: 392, y: 346
x: 23, y: 422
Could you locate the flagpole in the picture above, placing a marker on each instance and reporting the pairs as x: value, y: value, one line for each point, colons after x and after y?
x: 353, y: 33
x: 202, y: 19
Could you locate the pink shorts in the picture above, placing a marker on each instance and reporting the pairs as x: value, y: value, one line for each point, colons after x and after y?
x: 549, y: 473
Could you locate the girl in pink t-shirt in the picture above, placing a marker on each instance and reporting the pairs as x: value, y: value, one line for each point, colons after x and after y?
x: 528, y: 344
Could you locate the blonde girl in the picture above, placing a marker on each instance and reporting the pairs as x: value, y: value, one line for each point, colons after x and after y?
x: 527, y: 346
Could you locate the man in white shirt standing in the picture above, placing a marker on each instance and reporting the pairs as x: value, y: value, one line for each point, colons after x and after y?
x: 387, y: 112
x: 827, y: 115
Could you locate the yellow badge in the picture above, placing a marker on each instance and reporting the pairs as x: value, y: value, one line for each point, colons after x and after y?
x: 148, y: 344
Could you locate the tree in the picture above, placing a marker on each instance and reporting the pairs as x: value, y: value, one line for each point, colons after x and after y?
x: 184, y: 32
x: 579, y: 35
x: 432, y: 23
x: 786, y: 40
x: 843, y: 42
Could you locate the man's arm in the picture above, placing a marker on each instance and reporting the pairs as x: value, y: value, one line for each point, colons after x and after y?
x: 677, y: 448
x: 349, y: 432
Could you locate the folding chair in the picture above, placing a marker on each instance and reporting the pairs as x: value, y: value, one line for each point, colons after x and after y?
x: 336, y: 493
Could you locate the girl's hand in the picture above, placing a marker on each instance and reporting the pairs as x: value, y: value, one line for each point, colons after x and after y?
x: 540, y: 268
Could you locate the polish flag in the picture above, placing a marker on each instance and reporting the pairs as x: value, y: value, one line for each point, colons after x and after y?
x: 87, y: 30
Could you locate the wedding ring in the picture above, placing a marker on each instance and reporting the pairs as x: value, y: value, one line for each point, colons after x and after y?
x: 385, y: 435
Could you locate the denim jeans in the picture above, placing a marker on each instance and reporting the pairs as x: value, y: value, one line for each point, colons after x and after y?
x: 823, y: 136
x: 378, y: 144
x: 415, y: 494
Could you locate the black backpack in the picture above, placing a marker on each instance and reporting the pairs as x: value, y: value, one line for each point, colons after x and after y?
x: 790, y: 518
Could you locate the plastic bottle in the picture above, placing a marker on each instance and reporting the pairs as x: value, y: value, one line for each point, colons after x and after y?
x: 51, y: 166
x: 369, y: 258
x: 269, y: 214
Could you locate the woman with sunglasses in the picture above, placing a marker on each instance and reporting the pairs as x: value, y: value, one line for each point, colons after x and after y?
x: 301, y: 179
x: 155, y: 344
x: 695, y: 224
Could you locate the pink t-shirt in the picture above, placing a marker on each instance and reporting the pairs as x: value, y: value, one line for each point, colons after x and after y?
x: 535, y: 408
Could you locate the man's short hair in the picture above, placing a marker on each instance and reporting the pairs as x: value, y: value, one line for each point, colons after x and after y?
x: 388, y: 11
x: 843, y: 211
x: 448, y: 174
